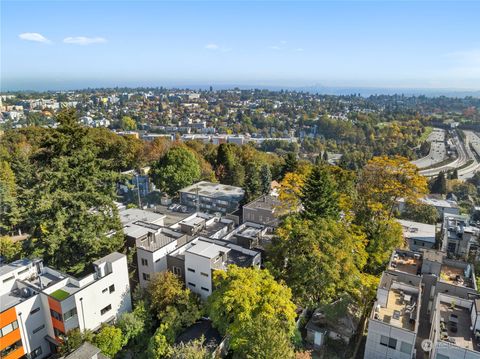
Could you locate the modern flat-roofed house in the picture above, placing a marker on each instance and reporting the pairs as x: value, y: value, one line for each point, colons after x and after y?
x: 443, y: 206
x: 195, y: 262
x: 152, y: 252
x: 418, y: 235
x: 264, y: 210
x: 212, y: 197
x: 39, y: 305
x: 248, y: 235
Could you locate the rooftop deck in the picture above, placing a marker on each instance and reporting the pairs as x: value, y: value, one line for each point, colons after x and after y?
x: 455, y: 326
x: 455, y: 276
x: 406, y: 262
x: 400, y: 311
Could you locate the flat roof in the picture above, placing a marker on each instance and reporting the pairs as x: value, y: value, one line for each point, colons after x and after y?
x: 455, y: 329
x: 206, y: 249
x: 407, y: 262
x: 456, y: 275
x: 159, y: 240
x: 12, y: 267
x: 439, y: 202
x: 135, y: 214
x: 419, y: 231
x: 210, y: 189
x: 264, y: 202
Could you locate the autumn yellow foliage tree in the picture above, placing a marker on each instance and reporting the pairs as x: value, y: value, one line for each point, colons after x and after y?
x: 384, y: 180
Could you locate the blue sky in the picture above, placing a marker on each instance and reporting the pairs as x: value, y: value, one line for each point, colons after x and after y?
x: 405, y: 44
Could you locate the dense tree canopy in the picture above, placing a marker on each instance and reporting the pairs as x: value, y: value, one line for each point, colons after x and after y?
x: 328, y: 253
x: 177, y: 169
x: 242, y: 295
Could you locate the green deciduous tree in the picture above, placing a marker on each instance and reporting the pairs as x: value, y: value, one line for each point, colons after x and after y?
x: 420, y: 212
x: 128, y: 124
x: 109, y: 340
x: 9, y: 249
x: 263, y: 340
x: 243, y: 294
x: 160, y: 345
x: 328, y: 253
x: 177, y: 169
x: 191, y: 350
x: 171, y: 303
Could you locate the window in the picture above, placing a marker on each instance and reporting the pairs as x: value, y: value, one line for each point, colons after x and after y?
x: 144, y: 262
x: 191, y: 270
x: 191, y: 284
x: 177, y: 270
x: 441, y: 356
x: 8, y: 279
x: 205, y: 289
x: 106, y: 309
x: 36, y: 353
x: 38, y: 329
x: 56, y: 315
x: 406, y: 348
x: 111, y: 289
x: 8, y: 328
x: 384, y: 340
x: 104, y: 290
x: 392, y: 343
x: 204, y: 274
x: 388, y: 342
x: 35, y: 310
x: 23, y: 271
x: 146, y: 276
x: 69, y: 314
x: 12, y: 347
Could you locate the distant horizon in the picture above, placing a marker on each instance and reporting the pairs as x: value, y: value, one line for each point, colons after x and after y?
x: 431, y: 45
x: 314, y: 89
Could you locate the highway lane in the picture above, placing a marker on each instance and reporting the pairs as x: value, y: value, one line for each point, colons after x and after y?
x: 438, y: 151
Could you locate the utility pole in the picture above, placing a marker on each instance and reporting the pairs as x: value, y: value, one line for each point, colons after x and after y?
x: 138, y: 192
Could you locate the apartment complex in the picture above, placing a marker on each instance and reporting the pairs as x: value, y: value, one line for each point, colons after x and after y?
x: 212, y: 197
x: 413, y: 300
x: 39, y: 305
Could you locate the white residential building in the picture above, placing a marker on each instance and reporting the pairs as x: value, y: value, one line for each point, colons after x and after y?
x: 195, y: 262
x: 39, y: 305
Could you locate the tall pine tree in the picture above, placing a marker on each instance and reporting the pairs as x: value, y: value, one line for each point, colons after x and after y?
x: 319, y: 195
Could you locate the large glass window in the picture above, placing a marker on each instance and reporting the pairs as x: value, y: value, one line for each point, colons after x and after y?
x: 8, y: 328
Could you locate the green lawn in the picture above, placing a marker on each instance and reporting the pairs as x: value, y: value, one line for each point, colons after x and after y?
x: 60, y: 295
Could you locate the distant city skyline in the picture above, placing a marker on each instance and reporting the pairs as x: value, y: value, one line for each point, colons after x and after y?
x: 391, y: 44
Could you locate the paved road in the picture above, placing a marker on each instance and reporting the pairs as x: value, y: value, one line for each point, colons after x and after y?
x: 461, y: 159
x: 438, y: 151
x: 474, y: 140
